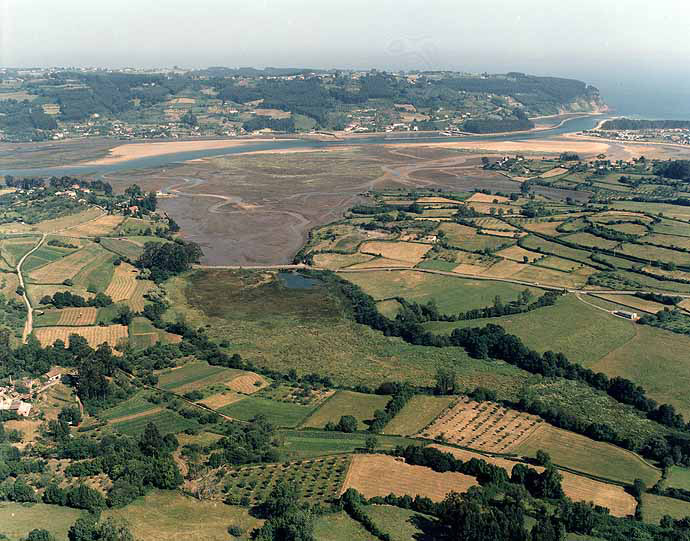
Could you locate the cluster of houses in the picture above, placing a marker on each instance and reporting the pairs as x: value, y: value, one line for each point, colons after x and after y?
x: 13, y: 397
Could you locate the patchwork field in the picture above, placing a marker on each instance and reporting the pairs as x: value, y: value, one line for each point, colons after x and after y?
x: 12, y: 250
x: 113, y: 334
x: 68, y: 222
x: 380, y: 475
x: 195, y: 375
x: 482, y: 425
x: 67, y: 267
x: 360, y: 406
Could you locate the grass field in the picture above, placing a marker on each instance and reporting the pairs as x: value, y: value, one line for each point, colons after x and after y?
x: 583, y: 333
x: 419, y: 411
x: 13, y: 250
x: 166, y: 421
x: 283, y: 414
x: 400, y: 524
x: 123, y: 247
x: 135, y: 404
x: 360, y: 406
x: 452, y: 295
x: 113, y: 334
x: 655, y: 507
x: 97, y: 274
x: 299, y: 444
x: 69, y: 221
x: 678, y: 477
x: 17, y: 520
x: 309, y: 330
x: 467, y: 238
x: 655, y: 253
x: 195, y: 375
x: 583, y: 454
x: 380, y: 475
x: 657, y: 360
x: 165, y: 515
x: 339, y: 526
x: 44, y: 255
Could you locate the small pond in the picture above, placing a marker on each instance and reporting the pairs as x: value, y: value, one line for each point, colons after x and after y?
x: 295, y: 280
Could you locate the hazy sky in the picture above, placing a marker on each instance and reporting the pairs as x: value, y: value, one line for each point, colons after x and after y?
x: 595, y: 40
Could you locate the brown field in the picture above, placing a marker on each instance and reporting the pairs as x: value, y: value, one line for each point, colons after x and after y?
x: 216, y: 401
x: 439, y: 200
x: 516, y: 253
x: 467, y: 268
x: 482, y: 425
x: 547, y: 228
x: 67, y: 267
x: 113, y: 334
x: 247, y: 383
x: 484, y: 198
x: 137, y: 301
x: 401, y: 251
x: 123, y: 284
x: 274, y: 113
x: 504, y: 269
x: 78, y: 316
x: 576, y: 487
x: 100, y: 226
x: 540, y: 275
x: 380, y: 475
x: 553, y: 172
x: 68, y: 222
x: 632, y: 301
x: 338, y: 261
x: 508, y: 234
x: 379, y: 262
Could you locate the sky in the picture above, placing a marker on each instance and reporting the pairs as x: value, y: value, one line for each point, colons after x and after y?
x: 626, y: 47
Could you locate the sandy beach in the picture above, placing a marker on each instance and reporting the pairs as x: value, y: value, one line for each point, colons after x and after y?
x: 545, y: 146
x: 133, y: 151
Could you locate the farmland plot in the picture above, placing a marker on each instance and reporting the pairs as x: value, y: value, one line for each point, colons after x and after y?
x: 112, y: 334
x: 100, y: 226
x: 78, y: 316
x: 482, y: 425
x: 401, y: 251
x: 123, y: 284
x: 67, y: 267
x: 380, y: 475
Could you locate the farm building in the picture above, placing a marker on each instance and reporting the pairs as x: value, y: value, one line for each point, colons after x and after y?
x: 627, y: 315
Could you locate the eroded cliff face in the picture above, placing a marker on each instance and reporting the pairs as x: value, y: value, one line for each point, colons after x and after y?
x: 590, y: 102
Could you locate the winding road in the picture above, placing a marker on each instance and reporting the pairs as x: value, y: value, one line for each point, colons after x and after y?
x: 29, y: 324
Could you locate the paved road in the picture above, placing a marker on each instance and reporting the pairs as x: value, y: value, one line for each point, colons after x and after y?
x: 29, y: 325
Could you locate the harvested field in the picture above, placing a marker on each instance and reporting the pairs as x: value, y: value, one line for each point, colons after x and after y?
x: 338, y: 261
x: 485, y: 198
x: 482, y: 425
x: 553, y: 172
x: 400, y: 251
x: 380, y: 475
x: 576, y: 487
x: 504, y: 269
x: 68, y: 222
x: 67, y: 267
x: 547, y: 228
x: 444, y: 200
x: 99, y: 226
x: 78, y: 316
x: 123, y: 284
x: 506, y: 234
x: 578, y: 452
x: 217, y: 401
x: 516, y: 253
x: 539, y: 274
x: 247, y: 383
x: 382, y: 262
x: 137, y: 301
x: 631, y: 301
x: 113, y: 334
